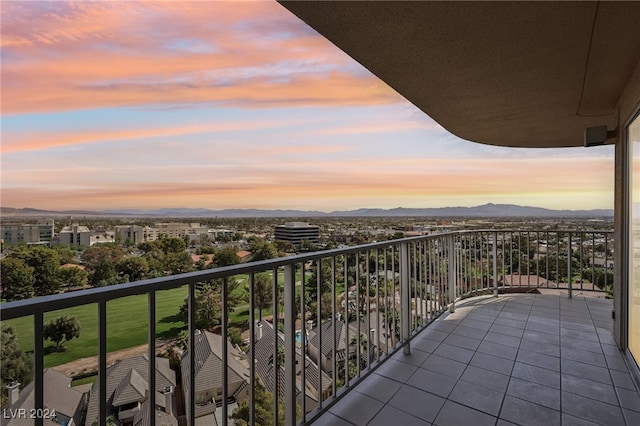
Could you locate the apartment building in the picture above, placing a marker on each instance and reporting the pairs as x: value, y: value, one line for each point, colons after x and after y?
x: 16, y: 233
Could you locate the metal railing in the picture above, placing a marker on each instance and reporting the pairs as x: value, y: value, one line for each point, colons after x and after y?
x: 334, y: 315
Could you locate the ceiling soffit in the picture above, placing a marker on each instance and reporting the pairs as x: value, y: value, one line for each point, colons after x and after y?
x: 502, y: 73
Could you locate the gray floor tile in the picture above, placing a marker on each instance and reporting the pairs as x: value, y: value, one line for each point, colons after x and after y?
x: 632, y: 417
x: 453, y: 414
x: 539, y: 360
x: 527, y: 413
x: 425, y: 345
x: 622, y: 380
x: 534, y: 392
x: 396, y: 370
x: 478, y: 397
x: 445, y: 326
x: 592, y: 410
x: 378, y: 387
x: 499, y: 350
x: 356, y: 408
x: 392, y: 416
x: 445, y: 366
x: 616, y: 363
x: 589, y: 328
x: 489, y: 379
x: 509, y: 331
x: 328, y: 419
x: 512, y: 322
x: 584, y: 335
x: 433, y: 382
x: 454, y: 352
x: 542, y: 376
x: 583, y: 345
x: 629, y: 399
x: 475, y: 316
x: 584, y: 356
x: 502, y: 339
x: 586, y: 371
x: 483, y: 326
x: 568, y: 420
x: 540, y: 347
x: 423, y: 405
x: 463, y: 330
x: 414, y: 358
x: 541, y: 338
x: 493, y: 363
x: 542, y: 328
x: 435, y: 335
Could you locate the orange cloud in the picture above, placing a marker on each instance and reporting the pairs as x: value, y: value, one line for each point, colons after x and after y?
x: 67, y: 56
x: 585, y: 183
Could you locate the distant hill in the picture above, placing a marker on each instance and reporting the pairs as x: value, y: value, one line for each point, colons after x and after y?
x: 486, y: 210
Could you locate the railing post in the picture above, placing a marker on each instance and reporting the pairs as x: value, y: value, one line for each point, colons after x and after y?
x: 405, y: 309
x: 569, y: 252
x: 452, y: 273
x: 495, y: 264
x: 289, y: 344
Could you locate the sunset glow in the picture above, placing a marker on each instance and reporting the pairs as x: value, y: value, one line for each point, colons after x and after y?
x: 142, y: 105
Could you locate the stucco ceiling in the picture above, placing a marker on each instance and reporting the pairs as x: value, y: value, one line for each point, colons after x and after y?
x: 526, y: 74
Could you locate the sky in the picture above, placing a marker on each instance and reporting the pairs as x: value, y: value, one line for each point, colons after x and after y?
x: 210, y: 104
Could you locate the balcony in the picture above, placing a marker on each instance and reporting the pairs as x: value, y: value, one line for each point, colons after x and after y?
x: 517, y: 359
x: 495, y: 324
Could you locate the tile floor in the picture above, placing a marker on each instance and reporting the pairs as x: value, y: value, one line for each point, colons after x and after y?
x: 539, y: 359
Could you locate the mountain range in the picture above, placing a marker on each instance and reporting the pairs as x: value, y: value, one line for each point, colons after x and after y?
x: 486, y: 210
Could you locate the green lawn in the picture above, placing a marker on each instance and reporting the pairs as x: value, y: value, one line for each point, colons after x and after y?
x: 126, y: 325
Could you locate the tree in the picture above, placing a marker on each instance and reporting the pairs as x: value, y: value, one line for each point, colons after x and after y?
x: 209, y: 302
x: 45, y: 263
x: 15, y: 365
x: 61, y: 330
x: 17, y: 279
x: 134, y: 267
x: 100, y: 262
x: 72, y: 277
x: 226, y: 256
x: 263, y: 409
x: 262, y: 291
x: 261, y: 250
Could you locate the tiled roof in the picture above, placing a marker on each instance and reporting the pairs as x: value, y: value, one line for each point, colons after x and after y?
x: 120, y: 370
x: 208, y: 366
x: 58, y: 396
x: 132, y: 388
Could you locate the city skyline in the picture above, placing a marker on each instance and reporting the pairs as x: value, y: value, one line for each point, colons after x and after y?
x: 144, y: 105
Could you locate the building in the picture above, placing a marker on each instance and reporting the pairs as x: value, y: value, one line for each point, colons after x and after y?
x: 131, y: 233
x: 208, y: 376
x: 68, y: 403
x: 128, y: 392
x: 16, y: 233
x: 75, y: 234
x: 173, y: 229
x: 296, y: 232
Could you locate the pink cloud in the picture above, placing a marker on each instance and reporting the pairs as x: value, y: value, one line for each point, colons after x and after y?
x: 66, y: 56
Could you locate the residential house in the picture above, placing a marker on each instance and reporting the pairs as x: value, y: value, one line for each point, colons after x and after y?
x: 128, y: 393
x: 208, y: 375
x: 64, y: 405
x: 316, y: 382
